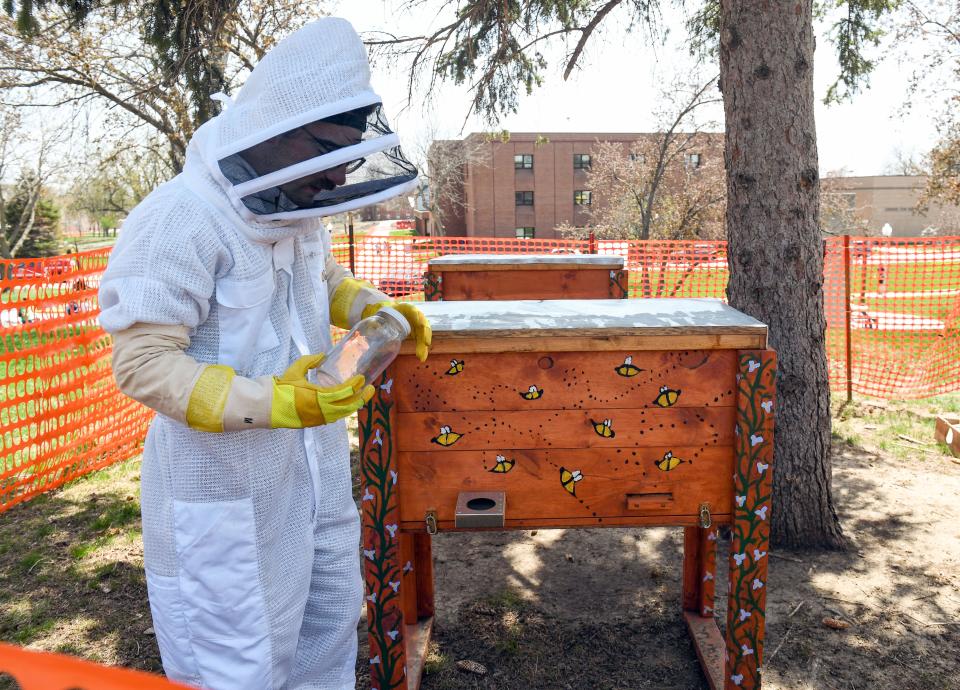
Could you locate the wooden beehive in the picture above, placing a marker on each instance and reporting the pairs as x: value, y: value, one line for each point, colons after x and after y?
x: 525, y: 276
x: 581, y: 413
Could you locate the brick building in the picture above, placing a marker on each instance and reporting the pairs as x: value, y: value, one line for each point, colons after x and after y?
x: 527, y: 184
x: 880, y: 199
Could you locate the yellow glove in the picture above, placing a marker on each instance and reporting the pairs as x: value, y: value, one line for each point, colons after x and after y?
x: 419, y: 326
x: 297, y: 403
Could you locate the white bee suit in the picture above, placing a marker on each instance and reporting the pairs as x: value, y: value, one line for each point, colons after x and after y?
x: 250, y: 537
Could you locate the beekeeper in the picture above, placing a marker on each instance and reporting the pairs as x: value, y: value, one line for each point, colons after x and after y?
x: 219, y: 295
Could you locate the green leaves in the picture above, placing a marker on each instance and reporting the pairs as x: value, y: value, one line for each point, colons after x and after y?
x: 25, y: 11
x: 704, y: 29
x: 31, y: 222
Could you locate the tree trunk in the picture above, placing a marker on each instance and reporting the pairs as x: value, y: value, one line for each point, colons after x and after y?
x: 25, y: 226
x: 775, y: 251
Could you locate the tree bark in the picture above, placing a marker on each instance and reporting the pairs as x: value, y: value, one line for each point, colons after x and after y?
x: 775, y: 251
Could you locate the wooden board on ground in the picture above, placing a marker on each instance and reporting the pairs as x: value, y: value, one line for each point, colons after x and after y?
x: 710, y: 646
x: 947, y: 431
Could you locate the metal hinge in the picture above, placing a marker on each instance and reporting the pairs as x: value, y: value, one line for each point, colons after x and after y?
x: 705, y: 519
x: 431, y: 520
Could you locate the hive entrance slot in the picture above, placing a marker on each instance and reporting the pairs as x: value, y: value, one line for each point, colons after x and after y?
x: 480, y: 509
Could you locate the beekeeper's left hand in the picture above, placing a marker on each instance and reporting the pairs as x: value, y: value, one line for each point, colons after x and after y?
x: 419, y: 325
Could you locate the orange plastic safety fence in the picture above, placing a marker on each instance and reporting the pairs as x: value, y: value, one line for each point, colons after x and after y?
x: 44, y: 671
x: 61, y: 416
x: 672, y: 268
x: 902, y: 314
x: 397, y: 265
x: 893, y: 315
x: 896, y: 336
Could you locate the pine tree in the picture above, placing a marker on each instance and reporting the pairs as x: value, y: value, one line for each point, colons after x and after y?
x: 44, y: 239
x: 41, y: 223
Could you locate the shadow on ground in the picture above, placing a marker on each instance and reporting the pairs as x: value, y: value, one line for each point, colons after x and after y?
x: 559, y: 609
x: 600, y: 608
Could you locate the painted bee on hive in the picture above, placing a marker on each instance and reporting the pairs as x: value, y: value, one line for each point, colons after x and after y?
x: 627, y: 369
x: 668, y: 462
x: 456, y: 366
x: 569, y: 479
x: 532, y: 393
x: 603, y: 428
x: 446, y: 437
x: 667, y: 398
x: 503, y: 465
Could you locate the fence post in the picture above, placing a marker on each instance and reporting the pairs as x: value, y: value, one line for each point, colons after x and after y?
x: 847, y: 311
x: 353, y: 259
x: 592, y: 243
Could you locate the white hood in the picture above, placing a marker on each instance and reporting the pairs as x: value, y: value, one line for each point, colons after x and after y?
x: 318, y: 72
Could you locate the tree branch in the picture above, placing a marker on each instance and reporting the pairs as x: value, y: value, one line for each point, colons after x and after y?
x: 587, y: 31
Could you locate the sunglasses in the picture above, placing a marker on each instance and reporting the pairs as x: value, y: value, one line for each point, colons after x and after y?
x: 325, y: 146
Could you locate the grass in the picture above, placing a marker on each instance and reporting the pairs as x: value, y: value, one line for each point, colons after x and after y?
x: 701, y: 282
x: 912, y: 277
x: 506, y: 598
x: 901, y: 429
x: 32, y: 625
x: 117, y: 515
x: 436, y: 662
x: 86, y: 242
x: 72, y: 571
x: 80, y: 551
x: 28, y: 562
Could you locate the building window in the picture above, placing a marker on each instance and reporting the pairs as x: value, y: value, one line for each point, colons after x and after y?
x: 581, y: 161
x: 692, y: 160
x: 524, y: 198
x: 523, y: 161
x: 582, y: 198
x: 525, y: 233
x: 639, y: 158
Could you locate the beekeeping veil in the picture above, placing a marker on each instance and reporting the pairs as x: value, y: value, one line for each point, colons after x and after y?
x: 306, y: 135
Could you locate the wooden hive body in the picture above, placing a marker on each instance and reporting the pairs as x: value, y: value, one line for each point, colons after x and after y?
x: 457, y: 277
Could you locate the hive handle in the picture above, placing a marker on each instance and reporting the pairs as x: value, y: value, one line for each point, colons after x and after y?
x: 649, y: 499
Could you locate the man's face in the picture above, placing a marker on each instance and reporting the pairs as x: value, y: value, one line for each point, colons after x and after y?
x: 311, y: 141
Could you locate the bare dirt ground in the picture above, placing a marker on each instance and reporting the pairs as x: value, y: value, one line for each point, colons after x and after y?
x: 575, y: 609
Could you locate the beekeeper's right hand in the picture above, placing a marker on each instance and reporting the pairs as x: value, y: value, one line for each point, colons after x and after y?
x: 150, y: 366
x: 298, y: 403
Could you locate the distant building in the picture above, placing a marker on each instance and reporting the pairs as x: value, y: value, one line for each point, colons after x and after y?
x: 878, y: 200
x: 527, y: 184
x: 398, y: 208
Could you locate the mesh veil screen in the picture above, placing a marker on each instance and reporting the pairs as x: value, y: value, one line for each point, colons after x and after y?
x: 338, y: 159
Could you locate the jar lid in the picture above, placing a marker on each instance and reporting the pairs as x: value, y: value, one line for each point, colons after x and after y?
x: 398, y: 317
